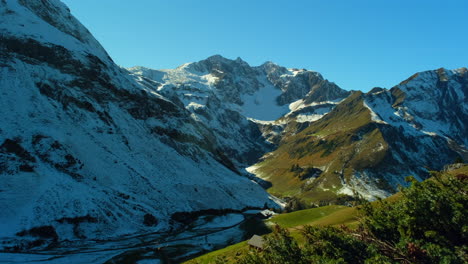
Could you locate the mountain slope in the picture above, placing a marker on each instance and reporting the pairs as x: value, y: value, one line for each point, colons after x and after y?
x: 87, y: 152
x: 316, y: 162
x: 370, y: 142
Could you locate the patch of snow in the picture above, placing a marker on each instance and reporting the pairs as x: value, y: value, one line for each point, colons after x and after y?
x: 278, y: 201
x: 346, y: 190
x: 295, y: 105
x: 273, y: 122
x: 308, y: 118
x: 194, y: 105
x: 299, y: 104
x: 362, y: 184
x: 262, y: 105
x: 252, y: 168
x: 374, y: 117
x: 210, y: 79
x: 429, y: 133
x: 219, y: 221
x: 295, y: 72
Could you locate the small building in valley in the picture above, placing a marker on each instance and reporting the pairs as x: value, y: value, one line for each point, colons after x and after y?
x: 256, y: 242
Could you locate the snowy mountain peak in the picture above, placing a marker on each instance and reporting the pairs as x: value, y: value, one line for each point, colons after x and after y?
x: 218, y: 63
x: 48, y: 22
x: 461, y: 71
x: 255, y: 90
x: 238, y: 102
x: 435, y: 101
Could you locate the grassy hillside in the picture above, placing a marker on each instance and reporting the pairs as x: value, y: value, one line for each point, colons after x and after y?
x: 421, y: 193
x: 327, y: 215
x: 224, y: 255
x: 426, y: 223
x: 323, y: 216
x: 341, y: 142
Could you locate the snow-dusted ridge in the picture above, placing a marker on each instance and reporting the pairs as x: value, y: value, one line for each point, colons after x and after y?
x: 430, y: 102
x: 423, y: 119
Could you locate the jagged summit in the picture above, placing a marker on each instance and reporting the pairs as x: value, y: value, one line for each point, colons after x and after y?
x: 270, y: 65
x: 436, y: 101
x: 220, y: 58
x: 234, y: 99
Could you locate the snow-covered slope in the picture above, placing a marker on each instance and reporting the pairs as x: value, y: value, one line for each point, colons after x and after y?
x: 436, y: 102
x: 424, y: 121
x: 247, y: 108
x: 88, y: 152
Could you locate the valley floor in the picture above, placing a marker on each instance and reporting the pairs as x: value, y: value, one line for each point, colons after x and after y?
x: 333, y: 215
x: 206, y: 234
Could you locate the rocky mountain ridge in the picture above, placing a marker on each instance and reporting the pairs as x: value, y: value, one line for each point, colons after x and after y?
x: 241, y: 104
x: 370, y: 142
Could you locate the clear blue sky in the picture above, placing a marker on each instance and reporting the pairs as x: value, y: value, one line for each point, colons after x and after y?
x: 357, y: 44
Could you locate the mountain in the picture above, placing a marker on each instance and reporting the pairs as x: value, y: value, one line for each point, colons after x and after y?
x: 92, y: 150
x: 371, y: 141
x: 88, y: 152
x: 318, y: 140
x: 247, y: 108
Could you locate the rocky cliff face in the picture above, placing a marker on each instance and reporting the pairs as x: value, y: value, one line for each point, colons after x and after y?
x: 247, y: 108
x: 424, y: 121
x: 305, y: 85
x: 435, y: 101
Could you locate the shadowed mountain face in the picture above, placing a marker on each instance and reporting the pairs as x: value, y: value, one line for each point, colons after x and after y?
x: 92, y: 150
x: 88, y: 152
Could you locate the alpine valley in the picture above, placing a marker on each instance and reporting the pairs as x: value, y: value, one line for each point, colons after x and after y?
x: 93, y: 152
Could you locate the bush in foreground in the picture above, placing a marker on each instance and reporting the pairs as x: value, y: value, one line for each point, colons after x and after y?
x: 427, y: 224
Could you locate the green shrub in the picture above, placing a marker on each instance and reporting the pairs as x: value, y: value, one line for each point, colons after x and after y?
x: 427, y: 224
